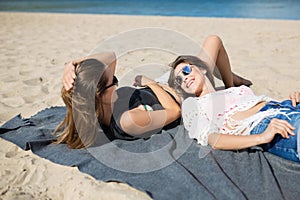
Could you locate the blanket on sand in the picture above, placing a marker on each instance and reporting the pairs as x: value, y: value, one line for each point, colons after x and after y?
x: 168, y: 165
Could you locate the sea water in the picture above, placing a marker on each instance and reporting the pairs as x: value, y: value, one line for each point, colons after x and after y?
x: 261, y: 9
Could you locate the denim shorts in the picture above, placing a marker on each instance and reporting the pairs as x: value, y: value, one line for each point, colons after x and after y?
x: 283, y: 147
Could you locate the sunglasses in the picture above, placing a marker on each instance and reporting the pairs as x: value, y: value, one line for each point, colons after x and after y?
x: 115, y: 82
x: 186, y: 70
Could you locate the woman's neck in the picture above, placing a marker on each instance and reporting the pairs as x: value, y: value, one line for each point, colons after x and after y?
x: 107, y: 113
x: 207, y: 88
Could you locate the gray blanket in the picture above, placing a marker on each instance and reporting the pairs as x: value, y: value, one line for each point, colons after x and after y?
x: 168, y: 165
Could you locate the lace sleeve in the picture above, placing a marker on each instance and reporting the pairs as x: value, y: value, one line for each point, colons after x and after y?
x: 196, y: 121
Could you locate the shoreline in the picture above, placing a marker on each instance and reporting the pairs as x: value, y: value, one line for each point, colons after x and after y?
x: 162, y: 16
x: 35, y: 46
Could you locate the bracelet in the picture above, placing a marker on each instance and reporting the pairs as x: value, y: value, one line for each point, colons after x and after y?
x: 148, y: 108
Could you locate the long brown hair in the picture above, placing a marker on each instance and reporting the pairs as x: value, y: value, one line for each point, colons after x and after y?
x: 192, y: 60
x: 84, y: 109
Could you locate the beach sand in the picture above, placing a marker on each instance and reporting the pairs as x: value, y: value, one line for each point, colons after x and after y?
x: 35, y: 46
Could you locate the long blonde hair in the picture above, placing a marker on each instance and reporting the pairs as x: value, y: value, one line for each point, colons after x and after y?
x: 84, y: 110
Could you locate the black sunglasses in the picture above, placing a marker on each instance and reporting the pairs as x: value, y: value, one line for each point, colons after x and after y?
x: 186, y: 70
x: 115, y: 82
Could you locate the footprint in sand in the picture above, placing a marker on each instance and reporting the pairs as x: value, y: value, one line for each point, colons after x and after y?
x: 11, y: 154
x: 33, y: 82
x: 14, y: 102
x: 25, y: 73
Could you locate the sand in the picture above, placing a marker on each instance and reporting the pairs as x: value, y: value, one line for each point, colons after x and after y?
x: 35, y: 46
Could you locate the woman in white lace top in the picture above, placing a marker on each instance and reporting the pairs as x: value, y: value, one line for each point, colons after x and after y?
x: 234, y: 118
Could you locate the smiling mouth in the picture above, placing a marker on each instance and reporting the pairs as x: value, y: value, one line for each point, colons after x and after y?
x: 189, y: 83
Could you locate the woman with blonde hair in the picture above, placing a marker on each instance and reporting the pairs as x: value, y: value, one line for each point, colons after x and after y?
x: 93, y: 105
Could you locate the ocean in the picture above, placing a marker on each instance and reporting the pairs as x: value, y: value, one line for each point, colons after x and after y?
x: 259, y: 9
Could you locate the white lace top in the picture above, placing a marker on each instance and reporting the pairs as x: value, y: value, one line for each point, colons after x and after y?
x: 212, y: 113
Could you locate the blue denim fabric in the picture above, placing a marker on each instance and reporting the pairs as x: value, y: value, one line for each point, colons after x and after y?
x: 285, y: 148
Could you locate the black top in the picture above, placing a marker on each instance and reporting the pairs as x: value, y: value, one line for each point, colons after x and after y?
x: 129, y: 98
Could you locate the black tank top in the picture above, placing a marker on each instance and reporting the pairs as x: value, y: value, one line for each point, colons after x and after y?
x: 129, y: 98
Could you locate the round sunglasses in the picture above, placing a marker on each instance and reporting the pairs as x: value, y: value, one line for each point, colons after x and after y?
x: 186, y: 70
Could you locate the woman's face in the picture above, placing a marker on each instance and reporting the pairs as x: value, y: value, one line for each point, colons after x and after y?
x: 190, y: 78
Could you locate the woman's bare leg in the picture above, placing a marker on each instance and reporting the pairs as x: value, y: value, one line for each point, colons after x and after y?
x: 214, y: 53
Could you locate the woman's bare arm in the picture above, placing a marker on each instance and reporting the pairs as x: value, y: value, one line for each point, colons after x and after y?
x: 138, y: 121
x: 235, y: 142
x: 215, y: 55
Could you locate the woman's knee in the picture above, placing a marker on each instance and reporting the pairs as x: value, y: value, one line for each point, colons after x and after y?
x: 213, y: 39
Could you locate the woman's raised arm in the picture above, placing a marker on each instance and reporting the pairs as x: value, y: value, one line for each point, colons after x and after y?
x: 108, y: 58
x: 215, y: 54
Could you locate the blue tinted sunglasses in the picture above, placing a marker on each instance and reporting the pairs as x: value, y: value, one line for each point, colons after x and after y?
x: 186, y: 70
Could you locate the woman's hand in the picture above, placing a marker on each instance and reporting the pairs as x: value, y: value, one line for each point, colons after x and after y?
x: 69, y: 76
x: 295, y: 98
x: 277, y: 126
x: 141, y: 81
